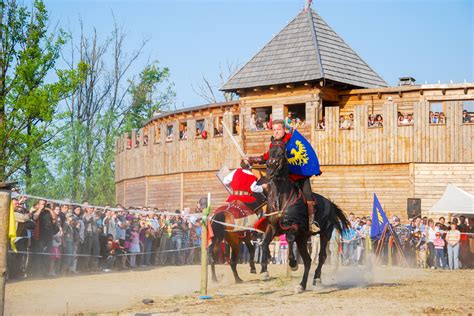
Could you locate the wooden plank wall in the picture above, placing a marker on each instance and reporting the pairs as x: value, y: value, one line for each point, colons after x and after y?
x: 168, y: 157
x: 430, y: 181
x: 135, y: 192
x: 164, y: 192
x: 119, y: 192
x: 421, y: 142
x: 352, y: 187
x: 171, y: 192
x: 198, y: 184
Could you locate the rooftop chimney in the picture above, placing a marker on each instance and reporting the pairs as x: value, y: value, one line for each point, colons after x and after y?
x: 406, y: 81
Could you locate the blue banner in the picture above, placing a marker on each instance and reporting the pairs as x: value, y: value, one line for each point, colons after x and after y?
x: 301, y: 156
x: 379, y: 219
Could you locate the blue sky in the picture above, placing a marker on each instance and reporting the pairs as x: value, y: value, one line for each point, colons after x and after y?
x: 430, y: 40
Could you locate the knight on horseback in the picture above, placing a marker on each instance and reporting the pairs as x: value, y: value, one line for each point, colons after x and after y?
x: 242, y: 182
x: 303, y: 182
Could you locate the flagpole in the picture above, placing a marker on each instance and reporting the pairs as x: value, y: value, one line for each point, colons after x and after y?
x: 4, y: 220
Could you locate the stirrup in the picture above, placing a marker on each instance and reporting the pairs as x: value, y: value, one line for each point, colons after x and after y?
x: 314, y: 227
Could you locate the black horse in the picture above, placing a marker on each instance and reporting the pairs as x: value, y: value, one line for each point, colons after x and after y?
x: 287, y: 214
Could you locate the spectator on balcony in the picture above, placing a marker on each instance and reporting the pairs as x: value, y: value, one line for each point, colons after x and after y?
x: 347, y: 122
x: 371, y: 122
x: 466, y: 117
x: 442, y: 118
x: 402, y: 120
x: 288, y: 122
x: 253, y: 122
x: 435, y: 118
x: 378, y: 121
x: 322, y: 123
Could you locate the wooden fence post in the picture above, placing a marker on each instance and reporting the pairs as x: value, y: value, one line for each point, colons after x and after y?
x: 205, y: 214
x: 4, y: 221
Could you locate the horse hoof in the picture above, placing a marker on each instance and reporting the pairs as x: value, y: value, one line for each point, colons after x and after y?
x: 214, y: 280
x: 299, y: 289
x: 265, y: 276
x: 238, y: 281
x: 253, y: 271
x: 317, y: 282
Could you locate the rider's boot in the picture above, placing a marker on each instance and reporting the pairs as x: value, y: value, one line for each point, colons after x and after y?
x: 313, y: 225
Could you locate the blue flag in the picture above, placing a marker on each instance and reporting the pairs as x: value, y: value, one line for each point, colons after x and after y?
x: 301, y: 156
x: 379, y: 220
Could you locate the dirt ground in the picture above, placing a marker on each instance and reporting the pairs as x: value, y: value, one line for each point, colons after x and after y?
x: 345, y: 291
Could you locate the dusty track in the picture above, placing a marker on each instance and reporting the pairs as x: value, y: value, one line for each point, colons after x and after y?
x: 174, y: 289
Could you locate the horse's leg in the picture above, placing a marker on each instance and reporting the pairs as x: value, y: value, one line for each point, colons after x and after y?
x: 269, y: 234
x: 322, y: 258
x: 214, y: 251
x: 251, y: 248
x: 302, y: 243
x: 292, y: 262
x: 234, y: 243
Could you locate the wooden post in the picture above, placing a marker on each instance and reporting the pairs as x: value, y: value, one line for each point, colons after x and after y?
x: 4, y: 221
x: 390, y: 243
x: 205, y: 214
x: 337, y: 246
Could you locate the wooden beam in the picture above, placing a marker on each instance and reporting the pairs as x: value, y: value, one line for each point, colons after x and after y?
x: 443, y: 91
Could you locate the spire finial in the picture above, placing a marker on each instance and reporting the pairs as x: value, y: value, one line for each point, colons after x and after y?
x: 308, y: 5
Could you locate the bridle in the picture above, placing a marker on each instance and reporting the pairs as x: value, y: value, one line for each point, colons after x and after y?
x: 276, y: 162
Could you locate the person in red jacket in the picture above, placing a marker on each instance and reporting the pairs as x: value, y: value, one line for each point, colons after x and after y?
x: 303, y: 182
x: 242, y: 182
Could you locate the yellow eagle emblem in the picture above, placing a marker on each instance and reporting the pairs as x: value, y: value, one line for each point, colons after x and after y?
x: 300, y: 157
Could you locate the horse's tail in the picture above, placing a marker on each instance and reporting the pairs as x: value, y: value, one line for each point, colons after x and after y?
x: 342, y: 221
x: 217, y: 228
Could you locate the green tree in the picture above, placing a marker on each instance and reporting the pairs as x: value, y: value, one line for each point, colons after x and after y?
x: 146, y: 96
x: 28, y: 105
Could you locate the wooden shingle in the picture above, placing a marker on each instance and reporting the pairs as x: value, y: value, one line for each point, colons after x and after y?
x: 306, y: 49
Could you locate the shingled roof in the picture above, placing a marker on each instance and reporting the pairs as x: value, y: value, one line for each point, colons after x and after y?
x: 306, y: 49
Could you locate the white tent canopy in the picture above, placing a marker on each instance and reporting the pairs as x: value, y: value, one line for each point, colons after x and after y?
x: 454, y: 200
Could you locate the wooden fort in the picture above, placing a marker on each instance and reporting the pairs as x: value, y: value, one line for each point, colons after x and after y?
x: 308, y: 70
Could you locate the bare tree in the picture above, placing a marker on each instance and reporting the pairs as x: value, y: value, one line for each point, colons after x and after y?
x: 210, y: 92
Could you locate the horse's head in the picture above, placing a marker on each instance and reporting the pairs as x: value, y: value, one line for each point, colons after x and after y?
x: 277, y: 165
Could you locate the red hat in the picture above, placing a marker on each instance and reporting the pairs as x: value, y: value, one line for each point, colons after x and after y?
x: 204, y: 134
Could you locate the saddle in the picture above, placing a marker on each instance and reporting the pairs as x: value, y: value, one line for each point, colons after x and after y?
x: 237, y: 208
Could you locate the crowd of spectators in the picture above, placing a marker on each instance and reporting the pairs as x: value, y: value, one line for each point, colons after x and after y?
x: 422, y: 242
x: 60, y: 239
x: 64, y: 239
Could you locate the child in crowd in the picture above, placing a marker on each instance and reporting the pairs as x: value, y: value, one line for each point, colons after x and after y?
x: 134, y: 245
x: 439, y: 250
x: 55, y: 251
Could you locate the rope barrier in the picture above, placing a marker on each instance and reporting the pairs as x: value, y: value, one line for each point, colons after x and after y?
x: 242, y: 228
x: 105, y: 208
x: 84, y: 255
